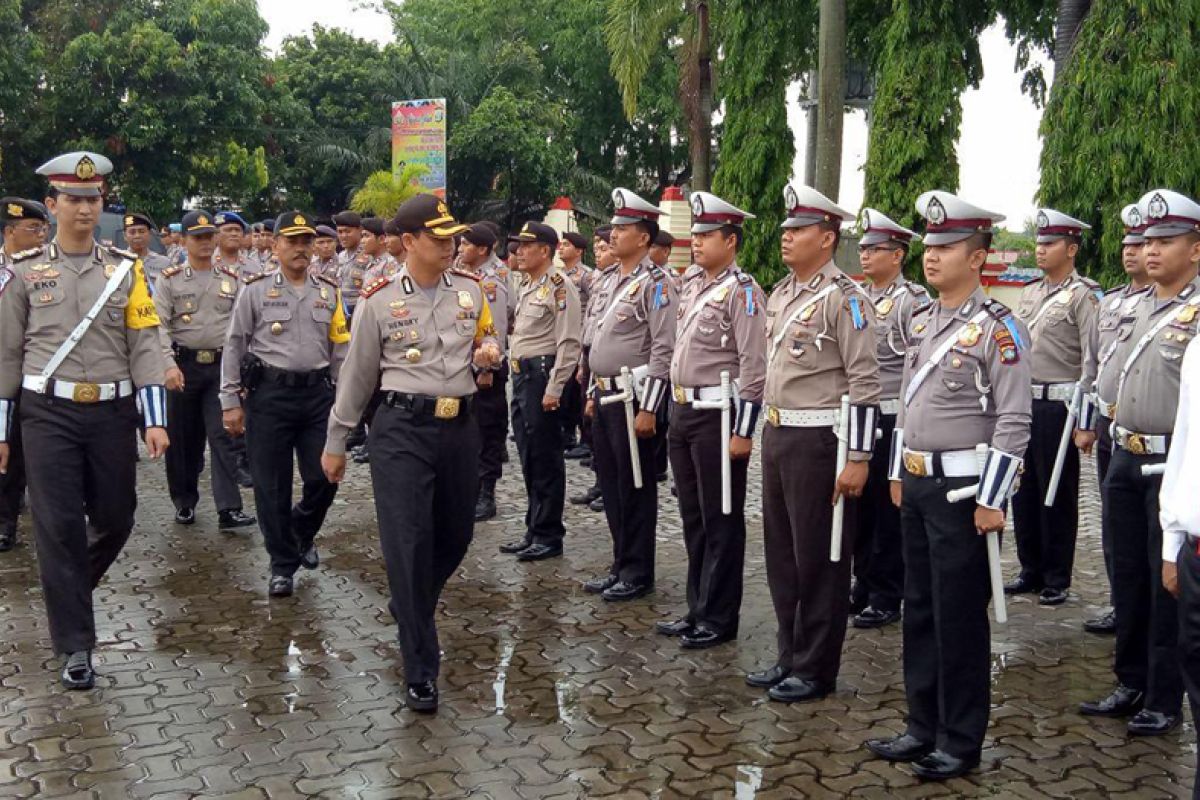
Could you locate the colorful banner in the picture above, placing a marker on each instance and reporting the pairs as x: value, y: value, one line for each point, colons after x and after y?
x: 419, y: 137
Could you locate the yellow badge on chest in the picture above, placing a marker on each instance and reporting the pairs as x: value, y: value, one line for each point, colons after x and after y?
x: 227, y: 288
x: 884, y: 306
x: 412, y: 355
x: 1064, y: 297
x: 970, y: 335
x: 109, y: 269
x: 633, y: 289
x: 1186, y: 315
x: 543, y: 293
x: 465, y: 300
x: 808, y: 313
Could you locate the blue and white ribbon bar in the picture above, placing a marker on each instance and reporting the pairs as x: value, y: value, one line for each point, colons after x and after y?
x: 999, y: 474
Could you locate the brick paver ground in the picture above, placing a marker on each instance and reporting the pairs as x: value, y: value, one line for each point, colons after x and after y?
x: 207, y: 688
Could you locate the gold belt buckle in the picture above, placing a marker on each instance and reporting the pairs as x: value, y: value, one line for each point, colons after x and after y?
x: 515, y: 365
x: 680, y: 395
x: 86, y: 393
x: 1136, y: 444
x: 914, y: 464
x: 773, y: 415
x: 1110, y: 410
x: 206, y: 356
x: 446, y: 407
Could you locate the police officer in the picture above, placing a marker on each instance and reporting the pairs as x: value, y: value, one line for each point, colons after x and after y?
x: 24, y: 224
x: 78, y: 413
x: 285, y: 344
x: 266, y: 246
x: 1094, y: 427
x: 966, y: 383
x: 231, y: 229
x: 137, y: 236
x: 820, y: 346
x: 1060, y: 311
x: 194, y: 304
x: 324, y: 260
x: 544, y: 351
x: 571, y: 249
x: 477, y: 255
x: 635, y: 330
x: 878, y: 550
x: 418, y: 332
x: 719, y: 330
x: 372, y: 242
x: 352, y: 263
x: 1149, y: 348
x: 393, y: 243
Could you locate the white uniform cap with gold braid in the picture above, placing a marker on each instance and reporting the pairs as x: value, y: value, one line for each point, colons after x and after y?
x: 1054, y: 225
x: 628, y: 208
x: 951, y: 219
x: 1167, y: 214
x: 711, y: 213
x: 806, y: 206
x: 878, y: 228
x: 1135, y: 225
x: 80, y: 174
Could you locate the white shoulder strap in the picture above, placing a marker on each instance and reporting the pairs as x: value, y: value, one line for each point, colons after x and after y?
x: 812, y: 301
x: 1145, y: 341
x: 938, y: 354
x: 703, y: 299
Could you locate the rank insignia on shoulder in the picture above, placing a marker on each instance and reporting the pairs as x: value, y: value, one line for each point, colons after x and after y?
x: 24, y: 254
x: 462, y: 273
x: 171, y: 272
x: 857, y: 316
x: 374, y: 286
x: 1007, y: 346
x: 556, y: 278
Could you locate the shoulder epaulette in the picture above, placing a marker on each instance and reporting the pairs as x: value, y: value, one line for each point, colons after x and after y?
x: 374, y: 286
x: 923, y: 308
x: 224, y: 269
x: 1088, y: 282
x: 556, y: 278
x: 116, y: 251
x: 30, y: 253
x: 462, y: 273
x: 327, y: 279
x: 171, y: 272
x: 691, y: 273
x: 916, y: 290
x: 745, y: 278
x: 848, y: 284
x: 657, y: 272
x: 252, y: 278
x: 996, y: 309
x: 1115, y: 289
x: 609, y: 269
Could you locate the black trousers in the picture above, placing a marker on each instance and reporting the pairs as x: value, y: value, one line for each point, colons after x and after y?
x: 716, y: 542
x: 811, y: 594
x: 878, y: 548
x: 632, y: 513
x: 571, y: 408
x: 947, y: 637
x: 1189, y: 633
x: 81, y: 462
x: 539, y: 436
x: 194, y: 421
x: 1104, y: 450
x: 12, y: 483
x: 424, y: 474
x: 491, y: 411
x: 286, y: 424
x: 1046, y: 536
x: 1145, y: 657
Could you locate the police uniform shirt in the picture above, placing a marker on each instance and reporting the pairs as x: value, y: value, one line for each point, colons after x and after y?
x: 44, y: 293
x: 548, y: 324
x: 352, y: 275
x: 978, y: 392
x: 601, y: 295
x: 1099, y: 373
x: 725, y: 333
x: 405, y: 340
x: 493, y: 278
x: 195, y: 306
x: 894, y: 307
x: 384, y: 266
x: 582, y: 276
x: 153, y: 264
x: 1148, y: 395
x: 328, y: 267
x: 296, y: 328
x: 244, y: 268
x: 1060, y: 320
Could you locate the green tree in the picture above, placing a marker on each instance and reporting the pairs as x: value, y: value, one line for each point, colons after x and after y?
x: 20, y: 58
x: 384, y: 192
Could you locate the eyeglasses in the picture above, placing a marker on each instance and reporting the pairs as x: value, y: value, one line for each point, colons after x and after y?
x: 33, y: 229
x: 876, y: 249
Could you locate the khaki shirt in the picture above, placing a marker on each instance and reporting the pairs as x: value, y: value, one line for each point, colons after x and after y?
x: 44, y: 295
x: 153, y: 264
x: 979, y: 392
x: 1099, y: 373
x: 329, y: 267
x: 195, y: 306
x: 727, y: 333
x: 895, y: 305
x: 548, y: 324
x: 244, y: 267
x: 582, y: 276
x: 352, y: 272
x: 1061, y: 320
x: 598, y: 300
x: 493, y: 277
x: 383, y: 266
x: 297, y: 328
x: 1148, y: 396
x: 405, y: 341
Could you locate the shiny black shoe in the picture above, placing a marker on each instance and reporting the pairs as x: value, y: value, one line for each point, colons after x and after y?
x: 485, y: 508
x: 794, y: 689
x: 422, y: 697
x: 512, y: 548
x: 900, y: 748
x: 577, y: 452
x: 310, y: 558
x: 8, y: 537
x: 1052, y: 597
x: 597, y: 504
x: 871, y: 617
x: 540, y: 552
x: 941, y: 766
x: 703, y: 637
x: 234, y: 518
x: 598, y: 585
x: 185, y: 516
x: 1103, y: 625
x: 362, y: 455
x: 1022, y: 585
x: 280, y: 586
x: 678, y: 627
x: 1123, y: 702
x: 624, y: 590
x: 583, y: 498
x: 1152, y: 723
x: 77, y: 672
x: 766, y: 678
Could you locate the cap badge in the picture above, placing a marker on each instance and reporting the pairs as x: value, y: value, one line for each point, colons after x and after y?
x: 618, y: 199
x: 1043, y: 221
x: 936, y: 212
x: 298, y: 220
x: 1135, y: 217
x: 442, y: 209
x: 791, y: 198
x: 543, y: 293
x: 128, y: 220
x: 697, y: 205
x: 202, y: 220
x: 465, y: 300
x: 85, y: 169
x: 15, y: 210
x: 1158, y: 207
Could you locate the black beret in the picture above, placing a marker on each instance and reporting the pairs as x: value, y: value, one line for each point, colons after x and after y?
x: 577, y: 239
x: 603, y: 233
x: 347, y: 219
x: 392, y: 228
x: 326, y: 231
x: 373, y: 225
x: 132, y: 218
x: 15, y: 208
x: 268, y: 225
x: 664, y: 239
x: 481, y: 235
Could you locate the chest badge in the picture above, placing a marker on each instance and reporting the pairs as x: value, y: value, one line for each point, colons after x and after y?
x: 884, y: 306
x: 465, y: 300
x: 412, y: 355
x: 1064, y: 297
x: 45, y: 297
x: 543, y: 293
x: 919, y: 327
x: 187, y: 319
x: 1186, y: 315
x: 226, y: 287
x: 276, y: 328
x: 274, y: 293
x: 956, y: 362
x: 970, y: 336
x: 324, y: 293
x: 809, y: 313
x: 633, y: 289
x: 109, y: 269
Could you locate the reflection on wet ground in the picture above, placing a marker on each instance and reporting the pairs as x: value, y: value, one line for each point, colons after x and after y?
x: 208, y: 688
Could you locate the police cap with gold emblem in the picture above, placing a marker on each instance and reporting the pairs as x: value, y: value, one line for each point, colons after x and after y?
x: 536, y: 232
x: 1135, y: 225
x: 229, y: 218
x: 950, y: 219
x: 198, y: 222
x: 428, y: 213
x: 1168, y: 214
x: 133, y: 218
x: 14, y: 209
x: 80, y: 174
x: 806, y: 206
x: 711, y: 213
x: 1054, y: 225
x: 294, y: 223
x: 878, y: 228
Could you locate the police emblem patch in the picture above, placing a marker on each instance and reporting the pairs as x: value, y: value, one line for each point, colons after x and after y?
x: 935, y: 212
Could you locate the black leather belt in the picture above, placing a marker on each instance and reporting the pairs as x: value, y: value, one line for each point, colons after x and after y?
x: 199, y: 356
x: 287, y: 377
x: 427, y: 406
x: 519, y: 365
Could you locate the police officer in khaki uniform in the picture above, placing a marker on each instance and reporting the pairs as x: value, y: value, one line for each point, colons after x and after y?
x: 635, y: 330
x: 878, y: 549
x: 719, y: 329
x: 418, y: 333
x: 571, y: 249
x: 324, y: 260
x: 78, y: 413
x: 1060, y: 311
x: 285, y: 345
x: 138, y: 228
x: 24, y: 224
x: 1094, y: 427
x: 966, y: 383
x: 264, y: 250
x: 194, y: 304
x: 352, y: 263
x: 820, y: 346
x: 231, y: 230
x: 1148, y: 353
x: 543, y: 353
x: 391, y: 258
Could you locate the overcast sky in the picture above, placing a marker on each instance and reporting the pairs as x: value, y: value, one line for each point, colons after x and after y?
x: 998, y: 151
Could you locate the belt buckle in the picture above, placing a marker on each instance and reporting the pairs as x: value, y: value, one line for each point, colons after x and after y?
x: 446, y: 407
x: 1136, y: 443
x: 86, y: 393
x: 773, y: 416
x: 1110, y: 410
x: 515, y: 365
x: 914, y: 464
x: 680, y: 395
x: 206, y: 357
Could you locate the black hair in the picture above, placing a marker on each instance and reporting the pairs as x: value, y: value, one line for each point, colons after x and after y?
x: 979, y: 241
x: 736, y: 231
x: 651, y: 229
x: 833, y: 226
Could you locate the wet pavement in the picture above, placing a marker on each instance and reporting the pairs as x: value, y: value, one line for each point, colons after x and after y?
x: 207, y: 688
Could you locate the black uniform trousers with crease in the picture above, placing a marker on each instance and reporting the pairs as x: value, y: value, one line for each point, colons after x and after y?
x: 1046, y: 536
x: 1104, y: 450
x: 12, y: 483
x: 491, y: 412
x: 539, y: 435
x: 878, y: 547
x: 194, y: 422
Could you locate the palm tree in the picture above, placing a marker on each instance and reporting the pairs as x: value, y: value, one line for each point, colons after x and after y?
x: 383, y: 192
